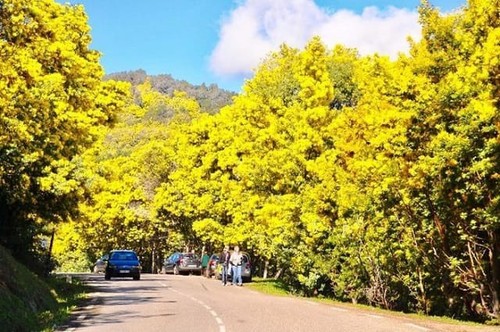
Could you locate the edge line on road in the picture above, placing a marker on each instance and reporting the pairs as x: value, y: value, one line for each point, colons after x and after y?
x: 421, y: 328
x: 373, y: 316
x: 339, y: 309
x: 313, y: 303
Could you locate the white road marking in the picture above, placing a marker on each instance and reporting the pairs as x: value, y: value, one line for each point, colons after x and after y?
x: 222, y: 327
x: 417, y: 327
x: 339, y: 309
x: 374, y: 316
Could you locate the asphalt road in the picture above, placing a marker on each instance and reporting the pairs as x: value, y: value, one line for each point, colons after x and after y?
x: 194, y: 303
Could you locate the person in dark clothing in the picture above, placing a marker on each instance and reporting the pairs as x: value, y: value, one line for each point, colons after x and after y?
x: 224, y: 261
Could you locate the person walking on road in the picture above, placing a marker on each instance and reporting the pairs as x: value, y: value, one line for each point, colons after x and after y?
x: 235, y: 261
x: 224, y: 261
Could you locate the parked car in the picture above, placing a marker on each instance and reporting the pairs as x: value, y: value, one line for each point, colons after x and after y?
x: 100, y: 264
x: 246, y: 268
x: 182, y: 263
x: 123, y: 263
x: 212, y: 265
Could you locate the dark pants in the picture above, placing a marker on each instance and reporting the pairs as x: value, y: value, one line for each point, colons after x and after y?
x: 224, y: 274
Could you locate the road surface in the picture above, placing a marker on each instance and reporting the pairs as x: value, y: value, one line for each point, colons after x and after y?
x: 194, y: 303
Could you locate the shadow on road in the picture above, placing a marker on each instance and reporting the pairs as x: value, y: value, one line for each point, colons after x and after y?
x: 103, y: 294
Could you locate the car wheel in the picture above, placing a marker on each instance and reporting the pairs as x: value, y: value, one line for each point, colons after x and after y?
x: 137, y: 277
x: 107, y: 277
x: 176, y: 270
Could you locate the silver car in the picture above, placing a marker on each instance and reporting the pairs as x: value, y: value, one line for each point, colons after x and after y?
x: 182, y: 263
x: 100, y: 265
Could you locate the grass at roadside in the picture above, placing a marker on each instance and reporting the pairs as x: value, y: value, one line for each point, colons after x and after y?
x: 69, y: 295
x: 29, y: 303
x: 277, y: 287
x: 269, y: 286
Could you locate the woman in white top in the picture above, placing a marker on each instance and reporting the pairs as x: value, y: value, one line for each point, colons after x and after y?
x: 235, y: 261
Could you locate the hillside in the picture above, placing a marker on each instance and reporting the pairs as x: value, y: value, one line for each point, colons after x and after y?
x: 211, y: 97
x: 22, y: 295
x: 27, y: 303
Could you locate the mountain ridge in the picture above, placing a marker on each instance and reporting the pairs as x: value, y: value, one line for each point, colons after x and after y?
x: 210, y: 97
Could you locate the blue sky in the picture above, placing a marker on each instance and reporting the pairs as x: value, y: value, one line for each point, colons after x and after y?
x: 223, y: 41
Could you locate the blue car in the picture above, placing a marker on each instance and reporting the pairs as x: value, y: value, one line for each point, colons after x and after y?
x: 123, y: 263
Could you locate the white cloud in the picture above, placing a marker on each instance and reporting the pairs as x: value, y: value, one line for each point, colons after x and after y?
x: 258, y: 27
x: 374, y: 31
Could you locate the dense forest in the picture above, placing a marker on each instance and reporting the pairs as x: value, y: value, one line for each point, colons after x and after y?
x: 359, y: 178
x: 211, y: 98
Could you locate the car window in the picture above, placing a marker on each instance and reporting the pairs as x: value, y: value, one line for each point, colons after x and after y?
x: 131, y: 257
x: 124, y: 256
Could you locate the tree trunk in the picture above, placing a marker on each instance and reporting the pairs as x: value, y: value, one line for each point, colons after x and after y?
x: 48, y: 265
x: 153, y: 259
x: 278, y: 274
x: 495, y: 272
x: 423, y: 296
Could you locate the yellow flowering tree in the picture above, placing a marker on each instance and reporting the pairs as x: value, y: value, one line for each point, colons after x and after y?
x: 53, y: 104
